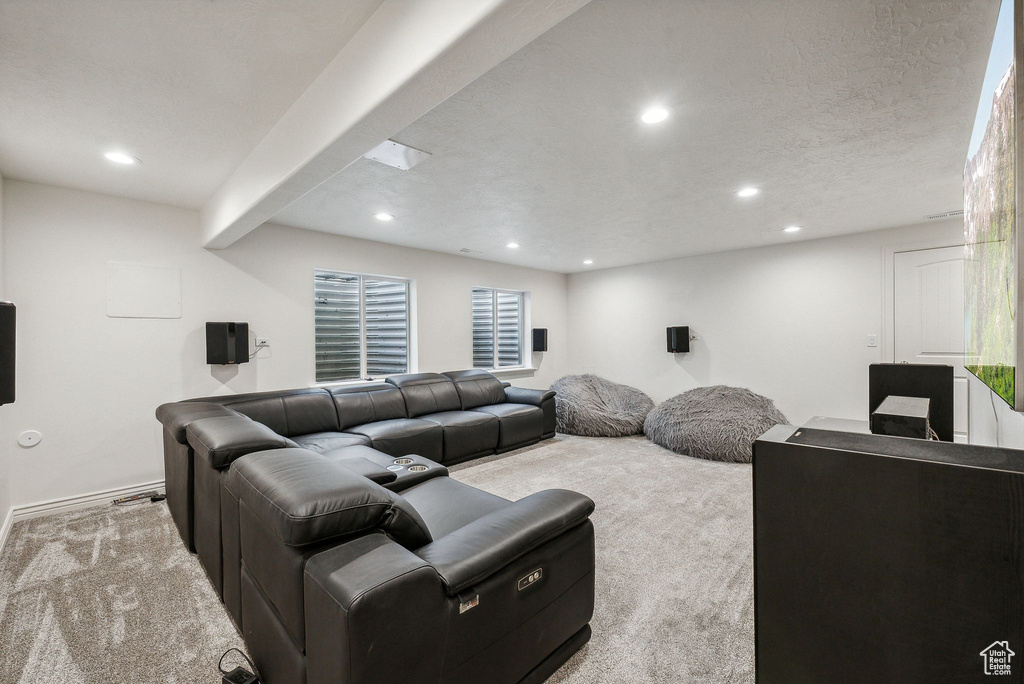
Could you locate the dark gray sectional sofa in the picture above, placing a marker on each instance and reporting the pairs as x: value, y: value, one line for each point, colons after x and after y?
x: 344, y: 466
x: 446, y: 418
x: 345, y: 581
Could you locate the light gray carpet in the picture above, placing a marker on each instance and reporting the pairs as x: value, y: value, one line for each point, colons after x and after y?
x: 107, y: 595
x: 110, y: 595
x: 675, y: 598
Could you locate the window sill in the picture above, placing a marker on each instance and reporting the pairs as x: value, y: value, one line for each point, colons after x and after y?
x: 509, y: 370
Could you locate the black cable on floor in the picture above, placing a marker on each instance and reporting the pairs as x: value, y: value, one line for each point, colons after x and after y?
x: 227, y: 673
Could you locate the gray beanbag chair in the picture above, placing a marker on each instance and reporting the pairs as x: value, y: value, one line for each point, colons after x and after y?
x: 717, y: 423
x: 591, y: 406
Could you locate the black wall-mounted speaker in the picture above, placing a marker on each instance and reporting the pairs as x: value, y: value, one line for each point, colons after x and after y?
x: 7, y: 318
x: 678, y: 339
x: 540, y: 339
x: 227, y: 343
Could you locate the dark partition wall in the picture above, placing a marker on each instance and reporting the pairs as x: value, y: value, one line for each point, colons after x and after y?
x: 881, y: 559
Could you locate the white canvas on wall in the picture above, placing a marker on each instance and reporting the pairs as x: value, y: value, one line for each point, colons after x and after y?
x: 143, y: 291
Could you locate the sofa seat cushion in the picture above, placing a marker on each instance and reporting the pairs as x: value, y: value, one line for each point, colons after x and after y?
x: 405, y: 471
x: 446, y: 505
x: 365, y: 461
x: 466, y: 433
x: 519, y: 424
x: 322, y: 442
x: 401, y: 436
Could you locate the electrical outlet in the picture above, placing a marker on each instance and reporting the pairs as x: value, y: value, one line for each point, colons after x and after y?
x: 262, y: 342
x: 872, y: 340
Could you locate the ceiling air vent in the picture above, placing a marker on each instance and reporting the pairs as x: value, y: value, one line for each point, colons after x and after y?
x: 945, y: 214
x: 397, y: 155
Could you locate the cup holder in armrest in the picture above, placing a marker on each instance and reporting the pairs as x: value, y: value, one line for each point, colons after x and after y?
x: 417, y: 468
x: 403, y: 461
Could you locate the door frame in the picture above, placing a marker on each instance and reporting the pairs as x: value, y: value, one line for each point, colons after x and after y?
x: 889, y: 288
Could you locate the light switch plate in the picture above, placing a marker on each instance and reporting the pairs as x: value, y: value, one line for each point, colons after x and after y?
x: 872, y: 340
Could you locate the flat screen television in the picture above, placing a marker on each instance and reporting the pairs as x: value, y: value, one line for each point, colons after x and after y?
x: 994, y: 335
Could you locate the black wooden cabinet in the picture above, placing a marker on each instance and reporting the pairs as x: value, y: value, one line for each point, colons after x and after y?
x: 883, y: 559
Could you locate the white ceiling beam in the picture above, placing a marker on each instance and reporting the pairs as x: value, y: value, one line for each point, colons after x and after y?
x: 410, y: 56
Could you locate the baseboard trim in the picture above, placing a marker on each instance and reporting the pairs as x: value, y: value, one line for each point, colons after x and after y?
x: 5, y: 529
x: 71, y: 503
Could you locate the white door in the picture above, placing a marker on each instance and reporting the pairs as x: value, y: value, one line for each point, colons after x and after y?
x: 928, y: 291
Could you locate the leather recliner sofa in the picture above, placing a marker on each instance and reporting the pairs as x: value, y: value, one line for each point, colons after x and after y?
x: 438, y: 418
x: 344, y: 581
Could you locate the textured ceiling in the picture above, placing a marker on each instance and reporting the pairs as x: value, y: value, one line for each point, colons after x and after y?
x: 851, y: 116
x: 187, y: 86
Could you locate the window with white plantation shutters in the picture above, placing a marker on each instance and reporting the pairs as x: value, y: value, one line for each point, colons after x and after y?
x: 497, y: 328
x: 483, y: 328
x: 338, y: 327
x: 362, y: 326
x: 387, y: 326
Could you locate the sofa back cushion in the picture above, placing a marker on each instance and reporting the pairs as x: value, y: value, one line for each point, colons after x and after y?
x: 304, y: 498
x: 287, y: 412
x: 426, y: 393
x: 477, y: 388
x: 364, y: 404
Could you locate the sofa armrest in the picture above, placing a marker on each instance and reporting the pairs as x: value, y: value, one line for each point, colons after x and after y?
x: 522, y: 395
x: 219, y: 441
x: 486, y: 545
x: 374, y: 611
x: 177, y: 415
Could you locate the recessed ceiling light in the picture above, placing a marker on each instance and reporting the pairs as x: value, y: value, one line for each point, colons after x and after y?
x: 587, y: 262
x: 121, y: 158
x: 384, y: 217
x: 513, y: 245
x: 748, y: 192
x: 653, y: 115
x: 791, y: 229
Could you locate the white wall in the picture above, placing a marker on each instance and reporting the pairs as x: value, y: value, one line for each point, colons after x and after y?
x: 5, y: 469
x: 788, y: 321
x: 90, y: 383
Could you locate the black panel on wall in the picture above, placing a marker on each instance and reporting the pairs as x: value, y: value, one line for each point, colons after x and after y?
x: 540, y: 339
x: 227, y: 343
x: 7, y: 319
